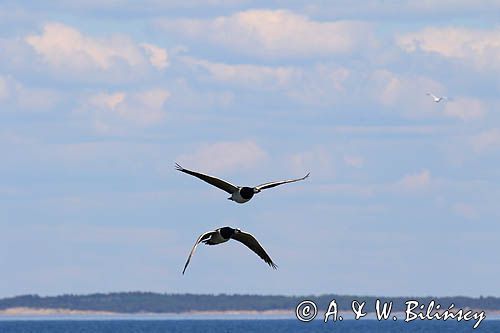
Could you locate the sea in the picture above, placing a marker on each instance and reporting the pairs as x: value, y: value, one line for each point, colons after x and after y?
x: 291, y: 325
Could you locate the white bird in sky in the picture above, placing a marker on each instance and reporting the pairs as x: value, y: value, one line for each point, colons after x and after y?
x: 436, y: 99
x: 224, y: 234
x: 239, y: 194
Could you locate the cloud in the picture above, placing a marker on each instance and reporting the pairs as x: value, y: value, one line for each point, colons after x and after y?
x: 479, y: 47
x: 465, y: 108
x: 61, y: 45
x: 222, y: 156
x: 318, y: 160
x: 107, y: 101
x: 465, y: 210
x: 404, y: 92
x: 253, y: 76
x: 195, y: 101
x: 354, y: 161
x: 408, y: 184
x: 322, y: 84
x: 15, y: 96
x: 64, y: 47
x: 4, y: 91
x: 408, y: 93
x: 106, y: 156
x: 327, y: 84
x: 276, y: 33
x: 358, y: 190
x: 111, y: 112
x: 387, y: 130
x: 415, y: 182
x: 92, y: 234
x: 157, y: 56
x: 487, y: 140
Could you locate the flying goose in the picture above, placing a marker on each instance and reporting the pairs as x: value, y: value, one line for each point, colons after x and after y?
x: 436, y: 98
x: 239, y: 194
x: 222, y: 235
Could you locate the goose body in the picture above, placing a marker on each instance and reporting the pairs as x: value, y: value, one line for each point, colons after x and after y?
x: 242, y: 195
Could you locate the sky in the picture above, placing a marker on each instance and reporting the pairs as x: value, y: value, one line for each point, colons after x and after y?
x: 99, y: 99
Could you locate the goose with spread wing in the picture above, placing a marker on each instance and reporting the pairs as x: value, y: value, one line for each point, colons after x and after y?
x: 224, y: 234
x: 239, y: 194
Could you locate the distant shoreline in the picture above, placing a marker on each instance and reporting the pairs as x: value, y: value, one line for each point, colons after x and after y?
x: 25, y: 311
x: 48, y: 312
x: 148, y: 305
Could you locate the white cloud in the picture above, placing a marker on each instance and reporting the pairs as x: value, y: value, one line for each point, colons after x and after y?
x: 4, y: 91
x: 415, y: 182
x: 465, y: 108
x: 254, y: 76
x: 486, y: 141
x: 64, y: 47
x: 120, y: 110
x: 361, y: 190
x: 197, y: 101
x: 222, y: 156
x: 276, y: 33
x: 479, y: 47
x: 107, y: 101
x: 100, y: 156
x: 61, y: 45
x: 354, y: 160
x: 16, y: 96
x: 465, y: 210
x: 322, y: 85
x: 157, y: 56
x: 318, y: 160
x: 377, y: 130
x: 36, y: 99
x: 94, y: 234
x: 317, y: 85
x: 406, y: 93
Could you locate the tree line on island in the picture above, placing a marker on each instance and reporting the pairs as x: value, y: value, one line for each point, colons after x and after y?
x: 147, y: 302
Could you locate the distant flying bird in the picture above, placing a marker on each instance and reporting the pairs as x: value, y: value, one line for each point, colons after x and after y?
x: 222, y: 235
x: 436, y: 98
x: 239, y: 194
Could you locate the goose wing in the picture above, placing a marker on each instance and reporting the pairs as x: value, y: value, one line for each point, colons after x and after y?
x: 432, y: 95
x: 222, y: 184
x: 253, y: 245
x: 280, y: 182
x: 200, y: 239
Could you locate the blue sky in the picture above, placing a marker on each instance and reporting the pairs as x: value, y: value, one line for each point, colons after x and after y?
x: 98, y: 99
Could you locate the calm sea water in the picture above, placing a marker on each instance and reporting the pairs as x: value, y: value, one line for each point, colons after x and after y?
x: 226, y: 326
